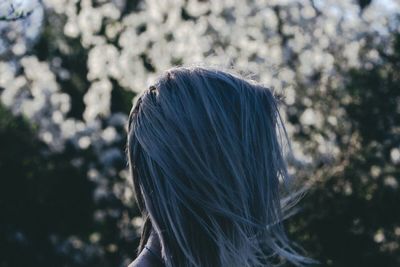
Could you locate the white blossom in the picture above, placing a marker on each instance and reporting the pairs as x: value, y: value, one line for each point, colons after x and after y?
x: 16, y: 9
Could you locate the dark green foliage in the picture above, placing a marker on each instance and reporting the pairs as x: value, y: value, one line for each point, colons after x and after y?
x: 67, y: 59
x: 350, y: 217
x: 364, y: 3
x: 41, y: 197
x: 121, y: 99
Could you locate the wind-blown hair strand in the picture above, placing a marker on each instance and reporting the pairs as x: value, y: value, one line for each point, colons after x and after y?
x: 206, y: 162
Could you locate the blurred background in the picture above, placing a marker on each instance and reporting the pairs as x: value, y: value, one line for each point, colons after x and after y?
x: 70, y: 71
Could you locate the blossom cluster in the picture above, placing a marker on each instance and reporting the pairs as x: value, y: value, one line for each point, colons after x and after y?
x: 283, y: 44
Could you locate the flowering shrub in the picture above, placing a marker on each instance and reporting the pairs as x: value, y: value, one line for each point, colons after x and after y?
x: 73, y: 68
x: 17, y: 9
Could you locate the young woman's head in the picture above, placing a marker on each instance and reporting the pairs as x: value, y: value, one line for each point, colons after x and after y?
x: 205, y: 155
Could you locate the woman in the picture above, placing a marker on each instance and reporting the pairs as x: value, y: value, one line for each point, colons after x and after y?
x: 206, y: 163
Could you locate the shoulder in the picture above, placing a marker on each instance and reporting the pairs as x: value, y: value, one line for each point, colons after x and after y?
x: 145, y: 259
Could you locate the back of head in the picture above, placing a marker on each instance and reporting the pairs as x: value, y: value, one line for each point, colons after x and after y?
x: 204, y: 152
